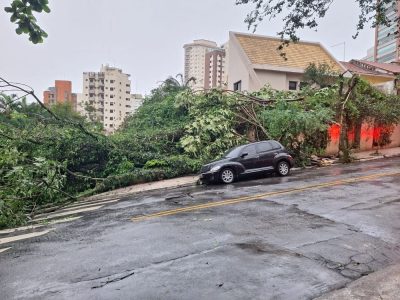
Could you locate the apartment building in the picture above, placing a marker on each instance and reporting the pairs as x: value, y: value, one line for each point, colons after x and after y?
x: 216, y: 69
x: 106, y: 97
x: 386, y: 37
x: 195, y: 62
x: 137, y: 101
x: 60, y: 93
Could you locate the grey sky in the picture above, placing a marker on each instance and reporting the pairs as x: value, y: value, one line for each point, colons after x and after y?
x: 144, y: 38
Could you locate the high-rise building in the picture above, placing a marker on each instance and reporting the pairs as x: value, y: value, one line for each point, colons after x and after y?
x: 60, y: 93
x: 106, y: 97
x: 195, y: 61
x: 386, y: 37
x: 215, y: 69
x: 370, y: 55
x: 137, y: 101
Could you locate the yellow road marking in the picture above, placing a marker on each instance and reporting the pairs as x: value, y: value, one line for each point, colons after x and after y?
x: 260, y: 196
x: 23, y: 237
x: 5, y: 249
x: 67, y: 213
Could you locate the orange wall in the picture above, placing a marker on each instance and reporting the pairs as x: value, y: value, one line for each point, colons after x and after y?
x: 46, y: 96
x: 366, y: 138
x: 63, y: 91
x: 62, y: 94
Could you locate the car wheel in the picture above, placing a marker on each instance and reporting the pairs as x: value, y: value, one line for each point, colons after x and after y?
x: 283, y: 168
x: 227, y: 176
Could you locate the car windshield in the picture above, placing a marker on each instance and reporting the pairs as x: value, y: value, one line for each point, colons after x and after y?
x: 232, y: 153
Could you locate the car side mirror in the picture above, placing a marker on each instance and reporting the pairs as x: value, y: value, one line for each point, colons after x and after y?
x: 244, y: 155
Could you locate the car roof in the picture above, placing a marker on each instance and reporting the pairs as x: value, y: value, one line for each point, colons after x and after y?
x: 255, y: 143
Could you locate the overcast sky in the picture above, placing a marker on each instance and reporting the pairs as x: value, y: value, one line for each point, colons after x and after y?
x: 144, y: 38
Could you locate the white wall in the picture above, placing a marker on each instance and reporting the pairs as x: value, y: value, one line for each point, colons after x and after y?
x: 278, y: 80
x: 237, y: 69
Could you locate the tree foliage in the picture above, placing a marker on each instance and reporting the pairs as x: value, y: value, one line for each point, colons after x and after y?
x: 320, y: 75
x: 52, y: 155
x: 22, y: 14
x: 299, y: 14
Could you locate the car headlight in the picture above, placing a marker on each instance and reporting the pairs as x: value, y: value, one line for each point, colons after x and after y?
x: 215, y: 169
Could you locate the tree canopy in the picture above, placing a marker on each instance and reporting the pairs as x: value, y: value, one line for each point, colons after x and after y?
x: 296, y: 15
x: 22, y: 14
x: 299, y: 14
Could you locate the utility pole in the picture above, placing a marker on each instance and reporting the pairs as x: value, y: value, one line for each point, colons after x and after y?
x: 344, y: 49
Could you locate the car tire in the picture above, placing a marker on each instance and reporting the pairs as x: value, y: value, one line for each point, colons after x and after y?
x: 227, y: 176
x: 283, y: 168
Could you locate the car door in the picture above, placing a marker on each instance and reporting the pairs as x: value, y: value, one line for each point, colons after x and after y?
x: 266, y: 153
x: 249, y: 157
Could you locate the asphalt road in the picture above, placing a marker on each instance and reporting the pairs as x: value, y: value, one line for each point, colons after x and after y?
x: 267, y: 238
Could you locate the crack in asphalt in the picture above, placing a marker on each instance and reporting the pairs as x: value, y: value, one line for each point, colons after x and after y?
x: 129, y: 273
x: 114, y: 280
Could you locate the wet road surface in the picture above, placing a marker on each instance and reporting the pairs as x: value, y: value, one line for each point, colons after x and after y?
x: 269, y: 238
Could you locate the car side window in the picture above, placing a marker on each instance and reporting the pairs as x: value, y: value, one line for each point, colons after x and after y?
x: 250, y: 150
x: 264, y: 147
x: 275, y: 145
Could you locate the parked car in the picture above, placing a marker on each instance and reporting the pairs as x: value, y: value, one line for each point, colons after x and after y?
x: 267, y: 156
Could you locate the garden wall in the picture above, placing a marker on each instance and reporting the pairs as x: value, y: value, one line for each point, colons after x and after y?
x: 367, y: 135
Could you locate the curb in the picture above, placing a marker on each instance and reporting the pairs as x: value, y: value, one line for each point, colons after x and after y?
x: 195, y: 183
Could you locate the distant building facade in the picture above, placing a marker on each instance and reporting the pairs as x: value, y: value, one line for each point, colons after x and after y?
x: 60, y: 93
x: 106, y: 97
x: 215, y: 71
x: 387, y: 37
x: 370, y: 55
x: 137, y: 101
x: 201, y: 58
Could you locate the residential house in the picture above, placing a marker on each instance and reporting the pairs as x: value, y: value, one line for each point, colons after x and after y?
x: 381, y: 75
x: 255, y: 61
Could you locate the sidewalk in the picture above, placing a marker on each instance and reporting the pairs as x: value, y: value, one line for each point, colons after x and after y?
x: 384, y: 153
x: 384, y: 284
x: 145, y: 187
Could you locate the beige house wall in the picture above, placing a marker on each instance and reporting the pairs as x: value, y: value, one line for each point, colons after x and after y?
x: 238, y: 70
x: 278, y: 80
x: 395, y: 138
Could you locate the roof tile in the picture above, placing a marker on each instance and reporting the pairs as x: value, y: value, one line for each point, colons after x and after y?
x: 264, y: 51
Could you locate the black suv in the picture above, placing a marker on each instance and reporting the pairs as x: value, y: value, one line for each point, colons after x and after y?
x: 268, y: 156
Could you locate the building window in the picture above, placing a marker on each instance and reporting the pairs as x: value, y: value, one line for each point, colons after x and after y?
x: 237, y: 86
x: 292, y: 85
x: 112, y: 81
x: 111, y: 110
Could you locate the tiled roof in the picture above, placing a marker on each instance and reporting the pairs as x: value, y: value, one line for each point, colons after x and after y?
x: 393, y: 67
x: 263, y: 50
x: 358, y: 70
